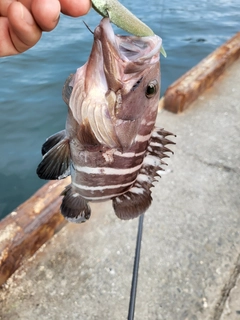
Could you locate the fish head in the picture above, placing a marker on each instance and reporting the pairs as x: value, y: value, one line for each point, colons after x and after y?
x: 120, y: 86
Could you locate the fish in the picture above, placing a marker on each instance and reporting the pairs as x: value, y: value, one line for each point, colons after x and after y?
x: 110, y: 145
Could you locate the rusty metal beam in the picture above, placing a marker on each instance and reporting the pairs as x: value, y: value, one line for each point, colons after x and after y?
x: 187, y: 88
x: 27, y: 228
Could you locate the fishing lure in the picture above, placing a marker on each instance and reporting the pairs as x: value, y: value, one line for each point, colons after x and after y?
x: 123, y: 18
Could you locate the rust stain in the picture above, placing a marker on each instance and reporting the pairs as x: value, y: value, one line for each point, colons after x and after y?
x: 9, y: 232
x: 27, y: 228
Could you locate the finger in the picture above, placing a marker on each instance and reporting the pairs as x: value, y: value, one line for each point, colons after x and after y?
x: 4, y: 4
x: 6, y: 46
x: 26, y: 3
x: 24, y: 31
x: 46, y: 13
x: 75, y: 8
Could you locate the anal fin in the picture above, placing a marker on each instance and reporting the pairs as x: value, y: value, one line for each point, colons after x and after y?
x: 56, y: 162
x: 74, y: 207
x: 132, y: 204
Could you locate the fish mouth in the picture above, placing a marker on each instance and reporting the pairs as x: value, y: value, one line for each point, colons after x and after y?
x: 125, y: 54
x: 128, y: 48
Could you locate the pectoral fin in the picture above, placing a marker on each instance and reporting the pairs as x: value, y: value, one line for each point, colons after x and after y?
x: 56, y: 162
x: 52, y: 141
x: 74, y: 207
x: 67, y: 89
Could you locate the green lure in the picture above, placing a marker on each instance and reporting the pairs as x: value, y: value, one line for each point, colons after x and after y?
x: 123, y: 18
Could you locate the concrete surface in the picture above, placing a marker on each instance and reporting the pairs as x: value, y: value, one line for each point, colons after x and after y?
x: 189, y: 268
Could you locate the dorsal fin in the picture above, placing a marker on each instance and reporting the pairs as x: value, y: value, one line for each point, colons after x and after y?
x: 138, y: 198
x: 67, y: 89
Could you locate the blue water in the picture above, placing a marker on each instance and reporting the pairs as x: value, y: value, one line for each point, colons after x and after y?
x: 30, y: 92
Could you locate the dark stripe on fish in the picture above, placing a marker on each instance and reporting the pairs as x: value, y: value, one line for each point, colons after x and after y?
x: 103, y: 176
x: 137, y: 84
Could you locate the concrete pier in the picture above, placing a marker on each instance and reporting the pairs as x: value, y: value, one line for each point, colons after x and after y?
x: 190, y: 258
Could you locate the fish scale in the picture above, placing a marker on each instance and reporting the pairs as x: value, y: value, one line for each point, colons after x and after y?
x: 110, y: 146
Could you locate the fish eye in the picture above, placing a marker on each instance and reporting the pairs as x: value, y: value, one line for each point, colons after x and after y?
x: 151, y: 89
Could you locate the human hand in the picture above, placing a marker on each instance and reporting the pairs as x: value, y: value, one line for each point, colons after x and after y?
x: 22, y: 22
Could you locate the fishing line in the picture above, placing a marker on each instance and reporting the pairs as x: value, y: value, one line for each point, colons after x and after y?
x: 133, y: 293
x: 87, y: 26
x: 162, y: 17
